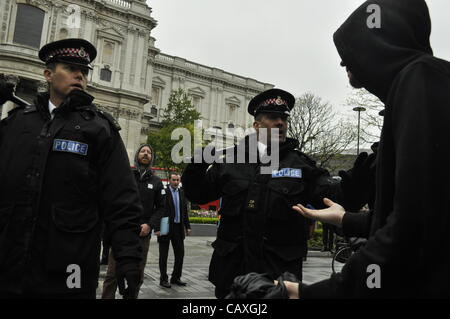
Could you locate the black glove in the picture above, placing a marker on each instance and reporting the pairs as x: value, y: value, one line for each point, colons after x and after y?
x: 357, y: 181
x: 77, y: 98
x: 128, y: 269
x: 6, y: 91
x: 260, y: 286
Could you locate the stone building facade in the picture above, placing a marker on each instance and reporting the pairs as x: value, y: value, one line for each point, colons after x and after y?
x: 131, y: 79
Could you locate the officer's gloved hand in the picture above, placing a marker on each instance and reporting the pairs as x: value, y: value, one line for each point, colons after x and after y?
x: 128, y: 271
x: 356, y: 182
x: 77, y: 98
x: 260, y: 286
x: 6, y: 91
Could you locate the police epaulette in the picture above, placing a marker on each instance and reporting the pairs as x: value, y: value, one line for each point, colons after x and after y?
x: 110, y: 119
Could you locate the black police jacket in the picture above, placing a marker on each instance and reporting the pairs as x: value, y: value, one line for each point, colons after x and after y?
x: 150, y: 188
x: 259, y: 231
x: 59, y: 180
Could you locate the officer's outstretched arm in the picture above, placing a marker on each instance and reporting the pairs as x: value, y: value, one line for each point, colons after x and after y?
x: 200, y: 182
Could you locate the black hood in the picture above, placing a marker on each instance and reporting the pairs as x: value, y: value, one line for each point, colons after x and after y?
x: 136, y: 163
x: 375, y: 56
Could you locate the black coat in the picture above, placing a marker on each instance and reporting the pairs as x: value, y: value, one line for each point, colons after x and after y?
x: 54, y: 197
x: 170, y: 212
x: 258, y: 231
x: 408, y: 236
x: 150, y: 187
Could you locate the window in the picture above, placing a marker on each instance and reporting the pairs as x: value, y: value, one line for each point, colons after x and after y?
x: 196, y: 102
x: 108, y: 53
x: 231, y: 125
x: 155, y: 96
x: 29, y: 23
x: 232, y: 112
x: 63, y: 34
x: 105, y: 74
x: 154, y: 111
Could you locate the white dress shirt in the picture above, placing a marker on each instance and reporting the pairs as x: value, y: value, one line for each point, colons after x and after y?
x: 51, y: 107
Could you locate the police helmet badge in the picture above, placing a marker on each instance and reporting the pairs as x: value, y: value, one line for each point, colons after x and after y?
x: 82, y: 52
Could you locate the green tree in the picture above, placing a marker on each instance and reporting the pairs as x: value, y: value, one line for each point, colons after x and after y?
x: 180, y: 113
x: 180, y: 110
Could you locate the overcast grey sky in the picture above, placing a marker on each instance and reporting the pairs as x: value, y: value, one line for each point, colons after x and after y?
x: 287, y: 43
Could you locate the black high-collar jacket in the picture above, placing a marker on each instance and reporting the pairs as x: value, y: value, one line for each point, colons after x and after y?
x: 59, y: 180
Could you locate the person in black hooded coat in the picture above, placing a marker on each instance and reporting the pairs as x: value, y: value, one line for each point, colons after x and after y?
x: 150, y: 188
x: 408, y: 230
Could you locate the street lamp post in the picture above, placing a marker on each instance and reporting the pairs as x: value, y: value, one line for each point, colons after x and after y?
x: 358, y: 109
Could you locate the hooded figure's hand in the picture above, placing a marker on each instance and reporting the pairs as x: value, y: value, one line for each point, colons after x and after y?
x: 260, y: 286
x: 332, y: 215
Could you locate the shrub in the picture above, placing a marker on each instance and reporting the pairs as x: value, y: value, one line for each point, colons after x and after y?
x: 204, y: 220
x: 316, y: 241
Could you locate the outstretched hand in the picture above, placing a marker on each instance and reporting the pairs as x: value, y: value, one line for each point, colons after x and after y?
x: 332, y: 215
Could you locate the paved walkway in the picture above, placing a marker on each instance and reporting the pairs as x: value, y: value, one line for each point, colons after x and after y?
x: 198, y: 253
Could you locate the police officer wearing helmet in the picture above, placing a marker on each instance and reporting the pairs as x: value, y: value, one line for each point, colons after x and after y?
x: 64, y: 170
x: 259, y: 231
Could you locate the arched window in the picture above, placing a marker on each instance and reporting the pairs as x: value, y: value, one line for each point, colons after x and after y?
x: 29, y: 23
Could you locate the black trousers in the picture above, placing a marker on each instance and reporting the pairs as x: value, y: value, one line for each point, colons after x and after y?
x: 177, y: 241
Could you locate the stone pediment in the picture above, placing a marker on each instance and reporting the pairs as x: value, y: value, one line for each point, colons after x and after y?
x: 233, y: 100
x: 111, y: 33
x: 157, y: 81
x: 197, y: 91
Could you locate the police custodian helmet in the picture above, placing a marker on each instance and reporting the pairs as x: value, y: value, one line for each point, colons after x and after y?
x: 71, y: 51
x: 272, y: 101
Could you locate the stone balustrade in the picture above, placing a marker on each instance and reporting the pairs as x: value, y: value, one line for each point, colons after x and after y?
x: 121, y: 3
x: 199, y: 68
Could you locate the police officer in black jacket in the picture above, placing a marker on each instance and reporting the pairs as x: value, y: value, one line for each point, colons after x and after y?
x: 63, y: 170
x: 259, y: 231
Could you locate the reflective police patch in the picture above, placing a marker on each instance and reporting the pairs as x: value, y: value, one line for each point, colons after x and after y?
x: 288, y: 172
x: 70, y: 147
